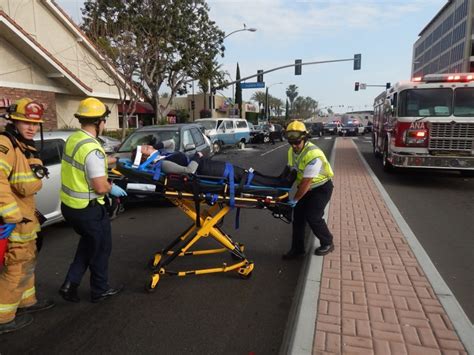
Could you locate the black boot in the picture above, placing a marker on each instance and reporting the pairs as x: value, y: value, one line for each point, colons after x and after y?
x: 111, y: 292
x: 38, y: 306
x: 18, y: 323
x: 69, y: 291
x: 324, y: 249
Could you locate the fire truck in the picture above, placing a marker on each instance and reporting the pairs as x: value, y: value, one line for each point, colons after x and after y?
x: 427, y: 122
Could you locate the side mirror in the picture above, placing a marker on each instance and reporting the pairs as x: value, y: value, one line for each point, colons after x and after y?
x: 190, y: 146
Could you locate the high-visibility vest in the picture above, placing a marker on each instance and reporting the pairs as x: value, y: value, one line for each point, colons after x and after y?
x: 75, y: 189
x: 309, y: 153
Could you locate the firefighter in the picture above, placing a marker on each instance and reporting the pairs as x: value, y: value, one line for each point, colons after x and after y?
x: 314, y: 191
x: 84, y: 185
x: 21, y: 172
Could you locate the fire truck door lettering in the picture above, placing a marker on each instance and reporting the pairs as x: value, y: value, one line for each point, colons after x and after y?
x: 417, y: 125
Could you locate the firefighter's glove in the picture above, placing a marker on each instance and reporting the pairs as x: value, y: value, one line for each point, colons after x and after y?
x: 117, y: 191
x: 292, y: 203
x: 6, y: 229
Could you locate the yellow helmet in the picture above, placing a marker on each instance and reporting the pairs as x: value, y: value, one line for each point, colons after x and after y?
x: 92, y: 108
x: 25, y: 109
x: 296, y: 131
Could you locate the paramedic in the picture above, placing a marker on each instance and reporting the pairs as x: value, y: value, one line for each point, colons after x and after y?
x: 21, y: 172
x: 314, y: 189
x: 83, y: 186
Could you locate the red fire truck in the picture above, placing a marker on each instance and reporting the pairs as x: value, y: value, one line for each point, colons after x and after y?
x: 427, y: 122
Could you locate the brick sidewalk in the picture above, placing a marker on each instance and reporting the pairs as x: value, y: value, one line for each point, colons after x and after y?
x: 375, y: 297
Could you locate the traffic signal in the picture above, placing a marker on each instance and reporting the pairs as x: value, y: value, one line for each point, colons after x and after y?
x: 260, y: 76
x: 356, y: 86
x: 298, y: 66
x: 192, y: 105
x: 357, y: 61
x: 387, y: 86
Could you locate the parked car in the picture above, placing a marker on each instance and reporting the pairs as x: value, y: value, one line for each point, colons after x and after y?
x: 258, y: 134
x: 226, y: 131
x: 316, y: 129
x: 110, y: 144
x: 333, y: 128
x: 278, y: 133
x: 188, y: 138
x: 47, y: 199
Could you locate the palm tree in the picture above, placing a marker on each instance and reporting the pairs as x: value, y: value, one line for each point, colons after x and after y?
x: 292, y: 93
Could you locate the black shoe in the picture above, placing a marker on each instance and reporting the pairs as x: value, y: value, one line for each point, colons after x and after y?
x: 38, y: 306
x: 325, y: 249
x: 18, y: 323
x: 293, y: 254
x: 107, y: 294
x: 69, y: 291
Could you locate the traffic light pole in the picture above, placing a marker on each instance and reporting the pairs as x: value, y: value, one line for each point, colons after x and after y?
x: 279, y: 68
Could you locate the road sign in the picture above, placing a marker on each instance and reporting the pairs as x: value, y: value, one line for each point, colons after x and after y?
x: 255, y: 85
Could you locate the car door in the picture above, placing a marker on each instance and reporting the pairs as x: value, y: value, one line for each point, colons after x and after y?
x: 229, y: 132
x: 47, y: 199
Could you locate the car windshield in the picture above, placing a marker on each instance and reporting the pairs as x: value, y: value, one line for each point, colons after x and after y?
x: 149, y: 137
x: 208, y: 124
x: 351, y: 124
x: 331, y: 125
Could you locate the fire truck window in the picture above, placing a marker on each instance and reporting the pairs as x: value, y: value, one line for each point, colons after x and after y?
x: 464, y: 102
x: 425, y: 102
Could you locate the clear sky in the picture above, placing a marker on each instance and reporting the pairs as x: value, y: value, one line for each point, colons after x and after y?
x: 317, y: 30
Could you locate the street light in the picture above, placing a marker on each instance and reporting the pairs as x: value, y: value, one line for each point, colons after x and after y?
x: 266, y: 99
x: 251, y: 29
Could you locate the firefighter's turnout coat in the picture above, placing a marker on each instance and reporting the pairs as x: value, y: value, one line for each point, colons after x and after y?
x: 18, y: 185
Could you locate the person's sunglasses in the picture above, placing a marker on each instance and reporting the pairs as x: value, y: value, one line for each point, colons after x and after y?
x: 293, y: 142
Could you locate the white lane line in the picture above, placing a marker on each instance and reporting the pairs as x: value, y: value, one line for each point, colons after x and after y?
x: 461, y: 322
x: 272, y: 150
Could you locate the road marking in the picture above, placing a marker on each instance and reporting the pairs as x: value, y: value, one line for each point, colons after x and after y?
x: 327, y: 137
x: 280, y: 146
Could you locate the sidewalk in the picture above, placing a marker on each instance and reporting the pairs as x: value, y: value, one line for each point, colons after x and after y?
x: 374, y: 295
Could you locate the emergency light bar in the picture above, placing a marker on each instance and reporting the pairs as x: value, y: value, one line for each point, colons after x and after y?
x: 436, y: 78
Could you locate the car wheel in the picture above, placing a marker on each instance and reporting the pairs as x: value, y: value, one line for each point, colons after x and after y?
x: 216, y: 147
x: 266, y: 139
x: 241, y: 145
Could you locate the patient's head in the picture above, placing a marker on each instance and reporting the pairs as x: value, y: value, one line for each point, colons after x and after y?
x: 146, y: 151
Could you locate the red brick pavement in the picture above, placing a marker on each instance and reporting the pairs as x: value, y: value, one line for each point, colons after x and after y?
x: 375, y: 297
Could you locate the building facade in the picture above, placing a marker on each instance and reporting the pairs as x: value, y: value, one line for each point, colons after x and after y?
x: 445, y: 44
x: 46, y: 57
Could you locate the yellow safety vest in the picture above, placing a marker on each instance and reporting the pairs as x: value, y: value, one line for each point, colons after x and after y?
x: 309, y: 153
x: 75, y: 190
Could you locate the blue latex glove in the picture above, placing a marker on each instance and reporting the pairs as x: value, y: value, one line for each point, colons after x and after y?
x: 6, y: 230
x: 292, y: 203
x: 117, y: 191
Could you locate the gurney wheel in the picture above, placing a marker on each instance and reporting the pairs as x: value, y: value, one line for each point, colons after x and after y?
x: 153, y: 263
x: 151, y: 286
x: 246, y: 272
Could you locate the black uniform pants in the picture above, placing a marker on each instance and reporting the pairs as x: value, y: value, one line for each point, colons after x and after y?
x: 95, y: 245
x: 311, y: 209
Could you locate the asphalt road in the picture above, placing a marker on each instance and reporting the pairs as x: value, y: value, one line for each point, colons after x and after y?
x: 209, y: 314
x: 439, y: 208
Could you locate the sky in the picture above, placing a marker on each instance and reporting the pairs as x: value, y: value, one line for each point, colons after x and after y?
x: 382, y: 31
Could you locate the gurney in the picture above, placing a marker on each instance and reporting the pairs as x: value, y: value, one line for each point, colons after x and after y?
x: 206, y: 201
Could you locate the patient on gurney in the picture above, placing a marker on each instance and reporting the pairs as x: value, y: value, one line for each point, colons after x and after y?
x: 178, y: 163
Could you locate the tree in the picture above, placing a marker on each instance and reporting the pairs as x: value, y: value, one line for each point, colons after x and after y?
x: 238, y: 90
x: 291, y: 93
x: 174, y: 40
x: 305, y: 107
x: 116, y: 43
x: 259, y: 97
x: 287, y: 111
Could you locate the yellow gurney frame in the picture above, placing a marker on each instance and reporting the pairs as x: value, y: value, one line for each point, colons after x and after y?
x: 208, y: 227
